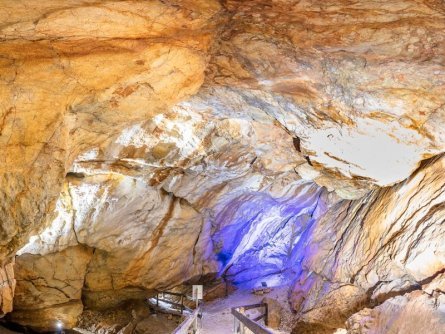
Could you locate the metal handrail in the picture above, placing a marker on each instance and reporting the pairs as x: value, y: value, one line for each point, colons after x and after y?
x: 180, y: 305
x: 241, y: 320
x: 192, y: 320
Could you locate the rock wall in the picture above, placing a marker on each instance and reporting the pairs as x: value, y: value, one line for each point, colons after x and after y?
x: 7, y: 289
x: 362, y: 253
x: 359, y: 83
x: 73, y: 75
x: 415, y: 312
x: 49, y: 288
x: 182, y: 140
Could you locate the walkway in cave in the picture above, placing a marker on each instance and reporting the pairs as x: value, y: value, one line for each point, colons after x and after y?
x: 217, y: 318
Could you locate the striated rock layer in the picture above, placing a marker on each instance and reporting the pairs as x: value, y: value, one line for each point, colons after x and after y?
x: 73, y: 75
x: 152, y: 143
x: 359, y: 83
x: 364, y: 252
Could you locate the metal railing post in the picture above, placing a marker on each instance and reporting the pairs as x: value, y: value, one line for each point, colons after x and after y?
x: 243, y: 324
x: 266, y: 319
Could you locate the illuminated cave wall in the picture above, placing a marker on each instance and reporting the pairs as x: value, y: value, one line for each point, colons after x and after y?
x: 256, y: 234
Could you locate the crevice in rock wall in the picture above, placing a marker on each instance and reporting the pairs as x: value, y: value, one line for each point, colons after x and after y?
x: 417, y: 286
x: 159, y: 230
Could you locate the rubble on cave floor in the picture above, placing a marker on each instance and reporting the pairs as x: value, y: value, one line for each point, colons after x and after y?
x: 132, y: 317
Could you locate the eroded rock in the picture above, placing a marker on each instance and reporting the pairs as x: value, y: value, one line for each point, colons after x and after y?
x: 364, y: 252
x: 49, y: 288
x: 412, y: 313
x: 110, y: 142
x: 7, y: 289
x: 358, y: 83
x: 68, y: 86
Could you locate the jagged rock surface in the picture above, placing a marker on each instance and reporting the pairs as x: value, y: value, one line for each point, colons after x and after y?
x: 359, y: 83
x: 49, y: 288
x: 364, y: 252
x: 415, y: 312
x: 134, y: 210
x: 7, y: 289
x: 68, y: 86
x: 155, y: 131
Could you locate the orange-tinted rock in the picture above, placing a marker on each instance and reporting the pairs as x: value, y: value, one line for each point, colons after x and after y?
x: 358, y: 82
x: 73, y: 76
x: 49, y: 288
x: 7, y: 289
x: 109, y: 140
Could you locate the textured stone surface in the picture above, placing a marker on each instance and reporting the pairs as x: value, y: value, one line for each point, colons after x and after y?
x: 184, y: 140
x: 131, y: 317
x: 49, y: 288
x: 364, y: 252
x: 67, y: 86
x: 358, y: 82
x: 415, y: 312
x: 44, y: 320
x: 135, y: 208
x: 7, y: 289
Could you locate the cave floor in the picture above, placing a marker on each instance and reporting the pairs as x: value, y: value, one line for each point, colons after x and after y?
x: 217, y: 318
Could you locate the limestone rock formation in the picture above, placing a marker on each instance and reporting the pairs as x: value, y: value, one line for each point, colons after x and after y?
x: 7, y: 289
x: 359, y: 83
x: 49, y: 288
x: 73, y: 75
x: 134, y: 212
x: 415, y: 312
x: 162, y: 142
x: 364, y: 252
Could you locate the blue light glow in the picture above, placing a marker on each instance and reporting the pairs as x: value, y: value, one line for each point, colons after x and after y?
x: 258, y: 236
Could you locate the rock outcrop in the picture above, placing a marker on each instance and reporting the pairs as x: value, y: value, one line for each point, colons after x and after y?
x: 74, y: 75
x: 364, y: 252
x: 7, y: 289
x: 159, y: 142
x: 133, y: 212
x: 49, y: 288
x: 415, y: 312
x: 358, y: 83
